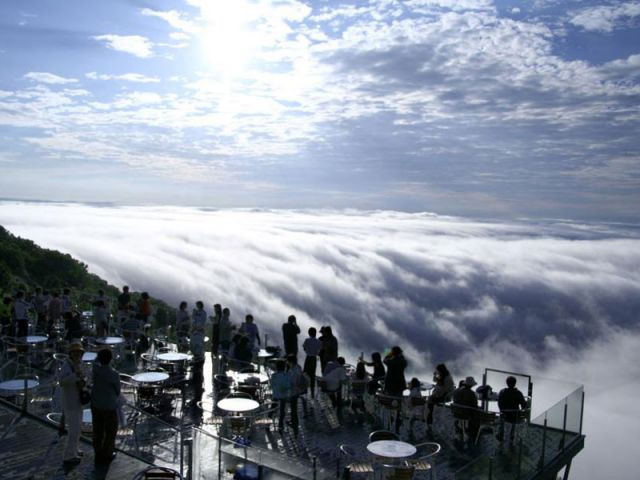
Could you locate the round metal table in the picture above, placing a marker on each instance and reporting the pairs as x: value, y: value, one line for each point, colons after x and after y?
x: 110, y: 340
x: 18, y: 384
x: 150, y: 377
x: 173, y: 357
x: 35, y: 338
x: 243, y: 377
x: 237, y: 405
x: 391, y: 449
x: 89, y: 356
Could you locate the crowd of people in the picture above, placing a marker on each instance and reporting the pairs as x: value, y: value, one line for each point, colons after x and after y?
x: 238, y: 344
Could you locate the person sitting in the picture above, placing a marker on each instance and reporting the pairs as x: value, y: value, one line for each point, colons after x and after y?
x: 510, y: 401
x: 334, y: 378
x: 442, y: 390
x: 359, y: 384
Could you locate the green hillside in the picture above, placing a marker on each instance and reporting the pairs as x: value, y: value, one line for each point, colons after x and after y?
x: 25, y: 265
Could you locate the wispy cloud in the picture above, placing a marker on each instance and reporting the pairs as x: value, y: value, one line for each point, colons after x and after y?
x: 134, y: 44
x: 49, y: 78
x: 127, y: 77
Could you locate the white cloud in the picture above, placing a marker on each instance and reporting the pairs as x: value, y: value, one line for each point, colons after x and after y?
x: 558, y: 300
x: 49, y: 78
x: 605, y: 18
x: 134, y: 44
x: 127, y: 77
x: 174, y: 18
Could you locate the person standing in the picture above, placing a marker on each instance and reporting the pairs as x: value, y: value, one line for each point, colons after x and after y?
x: 311, y: 347
x: 71, y: 384
x: 225, y: 331
x: 298, y: 387
x: 40, y: 304
x: 104, y: 404
x: 215, y: 330
x: 54, y: 310
x: 66, y: 300
x: 329, y: 350
x: 394, y: 382
x: 21, y: 315
x: 144, y: 307
x: 183, y: 326
x: 124, y: 299
x: 281, y: 388
x: 198, y: 323
x: 250, y: 330
x: 290, y: 331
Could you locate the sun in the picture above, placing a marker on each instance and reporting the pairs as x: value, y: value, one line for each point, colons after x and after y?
x: 228, y: 41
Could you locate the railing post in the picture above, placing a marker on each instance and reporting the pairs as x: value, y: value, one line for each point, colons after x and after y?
x: 581, y: 412
x: 219, y: 457
x: 26, y: 396
x: 520, y: 458
x: 181, y: 448
x: 315, y: 466
x: 544, y: 444
x: 490, y: 468
x: 564, y: 426
x: 190, y: 458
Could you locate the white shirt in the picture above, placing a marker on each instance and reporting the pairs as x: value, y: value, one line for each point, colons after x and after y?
x: 335, y: 377
x: 312, y: 346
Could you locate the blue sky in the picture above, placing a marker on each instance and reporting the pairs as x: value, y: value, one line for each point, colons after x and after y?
x: 466, y: 107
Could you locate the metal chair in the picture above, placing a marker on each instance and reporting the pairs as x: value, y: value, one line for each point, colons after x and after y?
x: 378, y: 435
x: 425, y: 450
x: 157, y: 473
x: 352, y: 465
x: 462, y: 414
x: 486, y: 421
x: 397, y: 472
x: 390, y: 407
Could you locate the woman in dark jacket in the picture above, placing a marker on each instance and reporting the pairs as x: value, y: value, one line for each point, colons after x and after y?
x: 394, y: 382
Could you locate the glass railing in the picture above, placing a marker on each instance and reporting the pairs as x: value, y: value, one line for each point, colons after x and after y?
x: 536, y: 444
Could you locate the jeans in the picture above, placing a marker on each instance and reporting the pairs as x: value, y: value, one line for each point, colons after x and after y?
x: 310, y: 365
x: 293, y: 402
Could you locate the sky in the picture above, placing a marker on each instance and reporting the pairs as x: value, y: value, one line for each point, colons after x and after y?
x: 461, y: 107
x: 555, y: 299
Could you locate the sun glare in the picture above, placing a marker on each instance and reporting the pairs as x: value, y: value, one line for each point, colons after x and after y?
x: 227, y: 39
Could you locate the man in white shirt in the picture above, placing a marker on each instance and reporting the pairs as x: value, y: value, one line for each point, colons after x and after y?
x: 311, y: 347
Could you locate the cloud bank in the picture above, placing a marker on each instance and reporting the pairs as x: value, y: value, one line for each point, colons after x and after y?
x: 557, y: 299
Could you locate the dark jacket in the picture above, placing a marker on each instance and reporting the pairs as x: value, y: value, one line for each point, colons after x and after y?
x: 290, y: 333
x: 106, y: 387
x: 394, y: 381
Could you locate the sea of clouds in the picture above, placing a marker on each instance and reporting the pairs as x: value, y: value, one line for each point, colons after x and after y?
x: 557, y: 299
